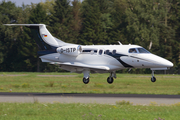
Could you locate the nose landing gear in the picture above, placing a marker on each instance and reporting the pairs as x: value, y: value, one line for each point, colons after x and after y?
x: 153, y: 79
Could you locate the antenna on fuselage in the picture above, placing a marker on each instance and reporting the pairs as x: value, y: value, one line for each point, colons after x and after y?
x: 119, y: 43
x: 129, y: 69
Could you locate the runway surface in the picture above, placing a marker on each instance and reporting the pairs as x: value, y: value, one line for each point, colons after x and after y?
x: 88, y: 98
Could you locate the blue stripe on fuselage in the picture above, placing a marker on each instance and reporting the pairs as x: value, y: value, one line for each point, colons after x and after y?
x: 118, y: 57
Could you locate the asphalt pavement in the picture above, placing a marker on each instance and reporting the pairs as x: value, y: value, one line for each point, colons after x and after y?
x: 135, y: 99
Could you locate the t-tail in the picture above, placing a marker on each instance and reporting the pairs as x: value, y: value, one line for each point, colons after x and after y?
x: 46, y: 43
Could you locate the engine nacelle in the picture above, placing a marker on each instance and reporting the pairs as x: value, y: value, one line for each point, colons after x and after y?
x: 74, y: 50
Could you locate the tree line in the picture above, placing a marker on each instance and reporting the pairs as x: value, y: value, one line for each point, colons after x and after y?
x: 153, y: 24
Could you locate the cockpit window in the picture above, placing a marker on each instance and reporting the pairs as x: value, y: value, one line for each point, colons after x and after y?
x: 138, y: 50
x: 142, y: 50
x: 132, y: 50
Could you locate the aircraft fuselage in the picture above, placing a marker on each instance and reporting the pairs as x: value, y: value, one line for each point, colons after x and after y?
x: 114, y: 56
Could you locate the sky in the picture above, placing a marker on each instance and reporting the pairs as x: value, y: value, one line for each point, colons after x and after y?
x: 26, y: 2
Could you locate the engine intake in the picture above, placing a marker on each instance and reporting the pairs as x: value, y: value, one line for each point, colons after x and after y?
x: 74, y: 50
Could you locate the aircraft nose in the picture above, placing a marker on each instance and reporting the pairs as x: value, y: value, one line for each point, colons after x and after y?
x: 161, y: 62
x: 166, y: 63
x: 169, y: 64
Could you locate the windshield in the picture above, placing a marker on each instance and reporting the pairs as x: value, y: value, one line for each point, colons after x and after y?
x: 142, y: 50
x: 132, y: 50
x: 138, y: 50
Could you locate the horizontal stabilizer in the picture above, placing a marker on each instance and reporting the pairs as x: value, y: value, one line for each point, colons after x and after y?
x: 24, y: 24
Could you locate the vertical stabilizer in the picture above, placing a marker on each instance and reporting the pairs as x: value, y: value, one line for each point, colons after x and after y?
x: 46, y: 36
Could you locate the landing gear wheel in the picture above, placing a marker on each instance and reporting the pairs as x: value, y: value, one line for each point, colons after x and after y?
x: 153, y: 79
x: 85, y: 80
x: 110, y: 80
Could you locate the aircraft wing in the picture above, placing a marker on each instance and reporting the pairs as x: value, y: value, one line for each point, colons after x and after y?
x: 79, y: 67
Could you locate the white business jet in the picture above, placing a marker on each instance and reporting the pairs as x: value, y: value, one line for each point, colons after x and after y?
x: 93, y: 58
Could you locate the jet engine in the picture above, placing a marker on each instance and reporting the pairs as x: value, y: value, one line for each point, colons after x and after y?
x: 74, y: 50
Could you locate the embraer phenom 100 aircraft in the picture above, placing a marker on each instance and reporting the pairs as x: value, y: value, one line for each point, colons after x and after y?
x: 95, y: 58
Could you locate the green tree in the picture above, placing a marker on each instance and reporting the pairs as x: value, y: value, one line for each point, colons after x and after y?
x: 167, y: 33
x: 26, y: 46
x: 173, y: 19
x: 143, y: 18
x: 96, y: 21
x: 118, y: 16
x: 152, y: 25
x: 91, y: 22
x: 76, y: 21
x: 61, y: 20
x: 38, y: 15
x: 9, y: 13
x: 48, y: 7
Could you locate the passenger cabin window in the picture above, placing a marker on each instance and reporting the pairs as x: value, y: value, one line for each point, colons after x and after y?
x: 86, y: 50
x: 132, y: 50
x: 92, y: 51
x: 100, y: 52
x: 114, y: 52
x: 95, y: 51
x: 142, y: 50
x: 106, y: 52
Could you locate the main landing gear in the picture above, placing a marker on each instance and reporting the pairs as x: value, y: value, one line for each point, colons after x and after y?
x: 111, y: 77
x: 85, y: 80
x: 86, y: 76
x: 153, y: 79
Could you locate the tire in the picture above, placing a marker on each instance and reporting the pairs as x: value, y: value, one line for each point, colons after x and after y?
x: 85, y: 80
x: 153, y: 79
x: 110, y: 80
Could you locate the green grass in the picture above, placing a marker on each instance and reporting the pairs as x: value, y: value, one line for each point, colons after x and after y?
x: 123, y: 110
x: 59, y: 111
x: 124, y: 84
